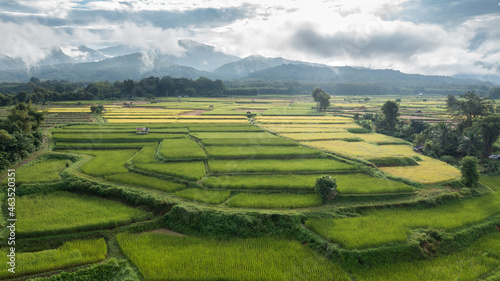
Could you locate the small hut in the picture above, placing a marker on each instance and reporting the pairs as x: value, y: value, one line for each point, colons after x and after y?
x: 142, y: 131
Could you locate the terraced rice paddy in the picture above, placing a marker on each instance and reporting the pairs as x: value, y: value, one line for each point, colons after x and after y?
x: 276, y: 165
x: 184, y: 148
x: 44, y: 171
x: 193, y: 258
x: 192, y: 170
x: 106, y: 162
x: 428, y: 171
x: 144, y: 181
x: 260, y: 151
x: 275, y: 200
x: 205, y: 196
x: 38, y: 214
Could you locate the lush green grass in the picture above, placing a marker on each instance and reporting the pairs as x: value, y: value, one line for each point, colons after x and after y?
x: 191, y: 258
x: 150, y: 182
x: 205, y: 196
x: 275, y: 200
x: 491, y: 182
x: 377, y: 227
x: 348, y: 183
x: 44, y: 171
x: 185, y: 148
x: 100, y: 145
x: 108, y: 130
x: 146, y: 154
x: 233, y: 135
x: 114, y: 137
x: 470, y: 264
x: 192, y: 170
x: 67, y: 212
x: 106, y: 162
x: 260, y: 151
x: 70, y: 254
x: 250, y: 142
x: 276, y: 165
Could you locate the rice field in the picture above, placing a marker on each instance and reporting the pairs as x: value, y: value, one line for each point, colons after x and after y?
x: 274, y: 200
x: 428, y: 171
x: 146, y: 154
x: 192, y: 170
x: 347, y: 183
x: 361, y: 150
x: 72, y: 253
x: 184, y: 148
x: 44, y: 171
x: 260, y: 151
x: 225, y: 128
x: 321, y: 136
x: 205, y: 196
x: 233, y: 135
x: 188, y: 121
x: 379, y: 138
x: 479, y: 259
x: 144, y: 181
x: 114, y: 137
x: 61, y: 211
x: 191, y: 258
x: 276, y: 165
x: 393, y: 225
x: 99, y: 145
x: 249, y: 142
x: 106, y: 162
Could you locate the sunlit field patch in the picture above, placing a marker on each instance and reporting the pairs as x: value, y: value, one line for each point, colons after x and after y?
x: 361, y: 150
x: 428, y: 171
x: 320, y: 136
x: 379, y: 138
x: 44, y: 171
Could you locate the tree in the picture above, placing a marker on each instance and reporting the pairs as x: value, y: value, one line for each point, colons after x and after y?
x: 489, y: 128
x: 150, y: 97
x: 470, y: 174
x: 322, y: 99
x: 390, y: 110
x: 471, y: 107
x: 495, y: 93
x: 326, y: 187
x: 97, y: 109
x: 470, y: 143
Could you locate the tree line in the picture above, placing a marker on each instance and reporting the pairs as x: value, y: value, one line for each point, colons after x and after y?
x: 474, y: 133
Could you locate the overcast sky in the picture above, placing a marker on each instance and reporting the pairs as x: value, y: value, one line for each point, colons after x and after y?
x: 429, y: 37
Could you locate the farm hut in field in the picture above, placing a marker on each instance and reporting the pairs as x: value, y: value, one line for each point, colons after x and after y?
x: 142, y: 131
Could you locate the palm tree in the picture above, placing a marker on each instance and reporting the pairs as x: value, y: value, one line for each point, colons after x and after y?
x: 470, y: 143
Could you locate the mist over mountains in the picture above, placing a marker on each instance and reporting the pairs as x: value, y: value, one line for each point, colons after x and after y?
x: 200, y: 60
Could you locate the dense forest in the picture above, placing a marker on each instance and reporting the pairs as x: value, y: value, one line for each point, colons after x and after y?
x: 38, y: 91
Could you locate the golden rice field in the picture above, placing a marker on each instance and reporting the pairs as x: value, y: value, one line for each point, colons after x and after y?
x: 68, y: 110
x: 428, y: 171
x: 272, y: 127
x: 142, y: 121
x: 379, y: 138
x: 361, y: 150
x: 319, y: 136
x: 304, y: 118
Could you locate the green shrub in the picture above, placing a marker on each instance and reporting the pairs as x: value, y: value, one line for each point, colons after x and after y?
x: 326, y: 187
x: 470, y: 174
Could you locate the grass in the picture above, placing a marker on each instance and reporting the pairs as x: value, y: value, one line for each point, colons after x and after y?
x: 249, y: 142
x: 276, y: 165
x: 150, y: 182
x: 347, y: 184
x: 191, y: 258
x: 376, y: 227
x: 106, y: 162
x: 260, y: 151
x: 275, y: 200
x: 44, y: 171
x: 469, y: 264
x: 72, y: 253
x: 146, y: 154
x: 192, y: 170
x: 68, y: 212
x: 185, y: 148
x: 428, y: 171
x: 205, y: 196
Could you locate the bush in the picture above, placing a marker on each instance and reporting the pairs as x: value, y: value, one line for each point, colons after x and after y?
x: 326, y: 187
x: 449, y: 159
x: 470, y: 174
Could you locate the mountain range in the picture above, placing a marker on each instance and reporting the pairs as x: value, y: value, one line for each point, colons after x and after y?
x: 123, y: 62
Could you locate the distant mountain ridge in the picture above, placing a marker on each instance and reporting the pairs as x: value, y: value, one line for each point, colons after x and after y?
x: 123, y: 62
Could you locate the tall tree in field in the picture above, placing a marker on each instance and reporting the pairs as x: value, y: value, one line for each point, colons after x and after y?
x: 489, y: 128
x: 470, y: 174
x: 322, y: 99
x: 390, y: 110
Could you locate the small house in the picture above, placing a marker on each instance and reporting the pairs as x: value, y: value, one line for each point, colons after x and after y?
x: 142, y: 131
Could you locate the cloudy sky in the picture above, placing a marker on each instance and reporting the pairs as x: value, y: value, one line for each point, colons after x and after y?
x: 423, y: 36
